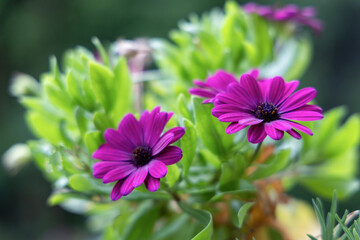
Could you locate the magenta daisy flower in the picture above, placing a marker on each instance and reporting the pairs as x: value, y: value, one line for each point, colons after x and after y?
x: 215, y: 84
x: 268, y: 107
x: 289, y: 13
x: 137, y: 152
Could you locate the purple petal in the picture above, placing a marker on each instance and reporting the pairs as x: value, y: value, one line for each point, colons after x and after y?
x: 282, y: 125
x: 152, y: 184
x: 256, y: 133
x: 162, y: 143
x: 157, y: 169
x: 140, y: 175
x: 301, y: 128
x: 170, y: 155
x: 250, y: 121
x: 234, y: 117
x: 115, y: 139
x: 103, y: 167
x: 219, y: 110
x: 234, y: 127
x: 127, y: 186
x: 294, y: 134
x: 252, y: 87
x: 242, y: 96
x: 131, y: 128
x: 298, y: 99
x: 178, y: 133
x: 289, y: 89
x: 119, y: 173
x: 276, y: 89
x: 153, y: 124
x: 273, y: 132
x: 220, y: 80
x: 107, y: 152
x: 233, y: 99
x: 301, y: 115
x: 202, y: 92
x: 115, y: 193
x: 201, y: 84
x: 254, y: 73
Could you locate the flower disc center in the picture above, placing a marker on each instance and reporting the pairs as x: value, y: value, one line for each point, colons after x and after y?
x: 142, y: 156
x: 267, y: 111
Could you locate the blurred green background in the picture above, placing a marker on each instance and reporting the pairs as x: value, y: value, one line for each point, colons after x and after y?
x: 32, y: 30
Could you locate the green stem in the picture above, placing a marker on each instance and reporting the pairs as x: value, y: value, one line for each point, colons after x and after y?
x: 255, y: 153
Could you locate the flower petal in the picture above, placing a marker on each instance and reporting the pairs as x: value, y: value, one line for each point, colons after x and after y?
x: 273, y: 132
x: 103, y: 167
x: 119, y: 173
x: 115, y: 139
x: 115, y: 193
x: 282, y: 125
x: 127, y: 186
x: 241, y: 95
x: 301, y: 127
x: 234, y: 127
x: 234, y: 117
x: 162, y: 143
x: 250, y: 121
x: 152, y: 184
x: 157, y: 169
x: 300, y: 115
x: 256, y: 133
x: 109, y: 153
x: 219, y: 110
x: 153, y: 125
x: 252, y: 87
x: 202, y: 92
x: 294, y: 134
x: 140, y: 175
x: 131, y: 128
x: 201, y: 84
x: 298, y: 99
x: 220, y: 80
x: 170, y: 155
x: 289, y: 89
x: 276, y: 89
x: 178, y: 133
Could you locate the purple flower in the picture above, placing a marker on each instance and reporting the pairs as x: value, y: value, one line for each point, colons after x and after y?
x: 137, y: 152
x: 267, y: 106
x: 215, y: 84
x: 289, y: 13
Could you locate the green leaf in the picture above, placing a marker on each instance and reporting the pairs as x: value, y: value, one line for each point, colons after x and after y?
x: 204, y: 218
x: 188, y: 144
x: 182, y: 107
x: 101, y: 50
x: 122, y: 88
x: 141, y: 223
x: 102, y: 121
x: 173, y: 174
x: 43, y: 127
x: 93, y: 140
x: 60, y: 197
x: 207, y: 128
x: 81, y: 120
x: 242, y: 213
x: 344, y: 138
x: 58, y: 97
x: 241, y: 188
x: 211, y: 158
x: 102, y: 84
x: 273, y: 165
x: 88, y: 184
x: 324, y: 186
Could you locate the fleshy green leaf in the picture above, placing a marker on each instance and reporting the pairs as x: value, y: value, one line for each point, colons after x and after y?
x: 242, y: 213
x: 188, y: 143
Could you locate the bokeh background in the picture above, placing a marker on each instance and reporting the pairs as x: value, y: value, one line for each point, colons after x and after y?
x: 32, y: 30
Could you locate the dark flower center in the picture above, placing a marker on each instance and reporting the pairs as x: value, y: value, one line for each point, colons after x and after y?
x: 142, y: 156
x: 267, y: 111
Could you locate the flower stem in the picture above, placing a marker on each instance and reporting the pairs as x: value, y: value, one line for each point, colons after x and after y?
x: 255, y: 153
